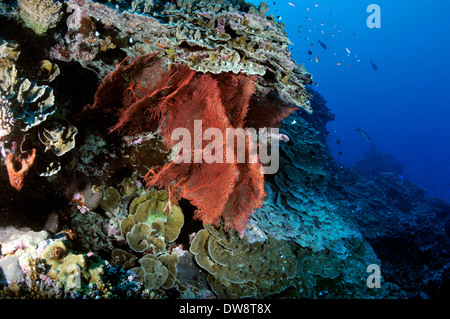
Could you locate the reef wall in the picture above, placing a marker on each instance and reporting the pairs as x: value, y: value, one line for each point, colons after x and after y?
x: 95, y: 206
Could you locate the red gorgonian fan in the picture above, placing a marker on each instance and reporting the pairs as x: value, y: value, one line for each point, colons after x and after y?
x: 146, y: 94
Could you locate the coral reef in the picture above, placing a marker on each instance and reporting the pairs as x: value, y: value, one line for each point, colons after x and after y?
x: 39, y: 15
x: 30, y: 103
x: 206, y: 41
x: 408, y: 232
x: 96, y: 202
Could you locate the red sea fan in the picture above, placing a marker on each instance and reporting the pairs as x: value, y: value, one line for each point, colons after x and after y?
x: 146, y: 93
x: 215, y: 188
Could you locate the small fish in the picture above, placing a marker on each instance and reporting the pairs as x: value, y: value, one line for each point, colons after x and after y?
x: 316, y: 5
x: 294, y: 122
x: 348, y: 51
x: 340, y: 153
x: 363, y: 134
x: 292, y: 4
x: 339, y: 63
x: 279, y: 18
x: 323, y: 45
x: 163, y: 46
x: 310, y: 53
x: 373, y: 65
x: 338, y: 141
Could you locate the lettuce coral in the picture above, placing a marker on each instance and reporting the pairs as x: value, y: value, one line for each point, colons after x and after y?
x: 148, y: 227
x: 239, y: 269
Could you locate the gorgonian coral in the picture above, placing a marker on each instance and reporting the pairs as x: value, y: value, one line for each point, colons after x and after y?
x: 146, y: 94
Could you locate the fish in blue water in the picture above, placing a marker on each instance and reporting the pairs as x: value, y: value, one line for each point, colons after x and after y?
x: 373, y: 65
x: 363, y: 134
x: 323, y: 45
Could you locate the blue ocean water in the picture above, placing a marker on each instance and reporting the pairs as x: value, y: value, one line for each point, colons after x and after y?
x: 403, y: 105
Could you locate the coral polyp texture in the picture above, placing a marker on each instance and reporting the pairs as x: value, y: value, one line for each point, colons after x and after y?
x: 102, y: 198
x: 40, y: 15
x: 6, y: 117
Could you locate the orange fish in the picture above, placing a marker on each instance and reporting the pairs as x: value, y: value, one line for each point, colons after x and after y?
x: 317, y: 59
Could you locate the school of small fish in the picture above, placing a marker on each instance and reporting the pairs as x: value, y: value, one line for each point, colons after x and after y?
x: 306, y: 32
